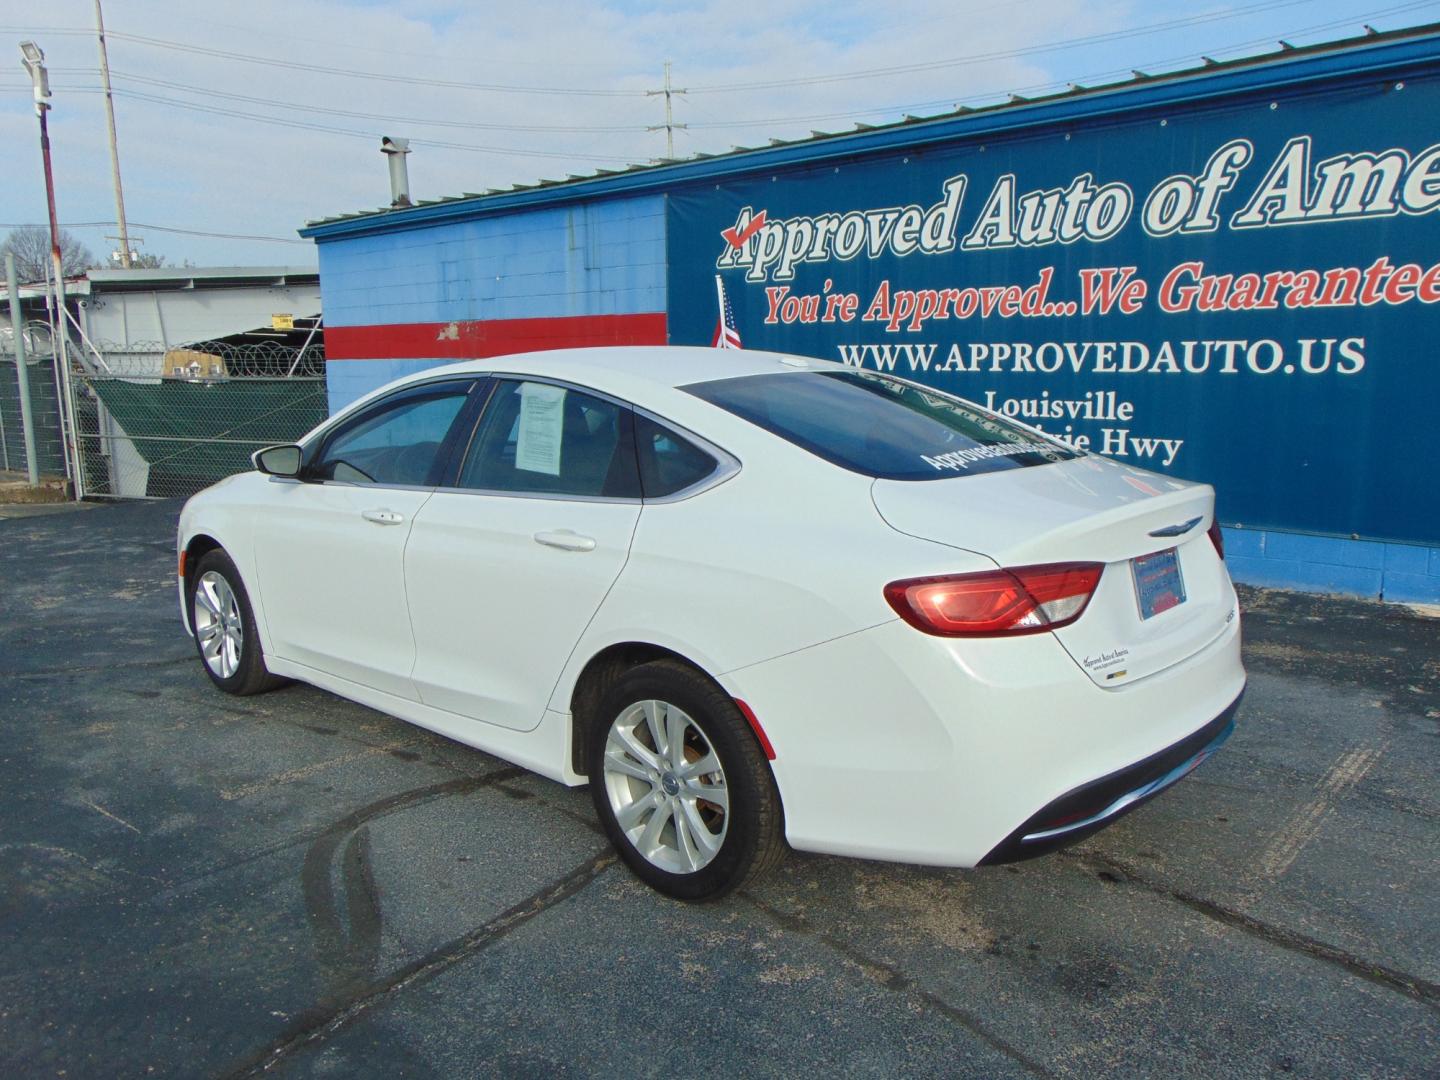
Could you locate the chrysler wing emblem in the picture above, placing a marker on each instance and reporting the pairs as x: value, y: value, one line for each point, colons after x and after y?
x: 1177, y: 530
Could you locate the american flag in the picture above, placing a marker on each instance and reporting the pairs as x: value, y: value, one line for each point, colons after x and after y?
x: 726, y: 336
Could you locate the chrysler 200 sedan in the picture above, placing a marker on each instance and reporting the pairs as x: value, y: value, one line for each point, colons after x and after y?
x: 754, y: 601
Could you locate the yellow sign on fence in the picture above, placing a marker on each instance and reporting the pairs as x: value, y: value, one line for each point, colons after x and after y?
x: 282, y: 322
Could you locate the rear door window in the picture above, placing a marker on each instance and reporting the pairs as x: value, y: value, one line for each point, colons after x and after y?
x: 546, y: 439
x: 880, y: 426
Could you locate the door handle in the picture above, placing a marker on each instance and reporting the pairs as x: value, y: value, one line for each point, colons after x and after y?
x: 382, y: 517
x: 565, y: 540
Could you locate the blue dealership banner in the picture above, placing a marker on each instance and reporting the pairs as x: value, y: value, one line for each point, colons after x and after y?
x: 1243, y: 292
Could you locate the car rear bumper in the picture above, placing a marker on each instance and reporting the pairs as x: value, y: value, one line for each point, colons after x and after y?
x: 892, y: 744
x: 1091, y: 807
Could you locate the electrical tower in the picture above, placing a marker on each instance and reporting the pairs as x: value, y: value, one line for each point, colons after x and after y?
x: 669, y: 127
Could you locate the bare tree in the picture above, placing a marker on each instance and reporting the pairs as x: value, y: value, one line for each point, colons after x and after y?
x: 31, y: 248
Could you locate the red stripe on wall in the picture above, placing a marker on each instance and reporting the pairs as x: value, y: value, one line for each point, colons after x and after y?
x: 494, y: 337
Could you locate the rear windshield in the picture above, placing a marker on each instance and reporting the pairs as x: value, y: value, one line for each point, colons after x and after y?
x: 879, y: 426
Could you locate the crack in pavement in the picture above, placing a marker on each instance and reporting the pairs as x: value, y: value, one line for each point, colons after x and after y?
x: 304, y: 772
x: 347, y: 957
x: 170, y: 889
x: 461, y: 785
x: 1412, y: 986
x: 589, y: 821
x: 346, y: 961
x: 891, y: 978
x: 322, y: 1023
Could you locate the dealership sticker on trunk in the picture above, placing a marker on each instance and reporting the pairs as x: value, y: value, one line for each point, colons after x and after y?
x: 1158, y: 585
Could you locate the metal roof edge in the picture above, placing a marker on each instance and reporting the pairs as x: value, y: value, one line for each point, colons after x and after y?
x: 1348, y: 60
x: 187, y: 277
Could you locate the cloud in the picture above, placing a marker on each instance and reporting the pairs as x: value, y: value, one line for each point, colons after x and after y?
x: 211, y: 171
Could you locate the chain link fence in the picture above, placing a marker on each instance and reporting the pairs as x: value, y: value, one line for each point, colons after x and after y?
x: 158, y: 423
x: 45, y: 403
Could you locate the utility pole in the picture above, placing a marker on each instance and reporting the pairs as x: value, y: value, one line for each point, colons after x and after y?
x: 669, y: 126
x: 114, y: 150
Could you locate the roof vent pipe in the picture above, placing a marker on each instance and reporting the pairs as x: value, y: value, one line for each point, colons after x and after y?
x: 395, y: 150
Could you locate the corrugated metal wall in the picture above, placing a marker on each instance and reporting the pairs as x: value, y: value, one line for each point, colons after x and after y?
x: 399, y: 302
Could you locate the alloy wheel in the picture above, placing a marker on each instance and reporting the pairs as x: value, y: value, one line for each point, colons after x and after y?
x: 666, y: 786
x: 219, y: 628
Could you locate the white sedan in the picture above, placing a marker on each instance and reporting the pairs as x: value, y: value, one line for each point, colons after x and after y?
x: 753, y: 600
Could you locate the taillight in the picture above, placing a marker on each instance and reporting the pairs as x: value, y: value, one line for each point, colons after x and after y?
x: 1217, y: 538
x: 1020, y: 600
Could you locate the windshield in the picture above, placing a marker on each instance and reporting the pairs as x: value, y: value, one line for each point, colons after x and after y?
x: 880, y: 426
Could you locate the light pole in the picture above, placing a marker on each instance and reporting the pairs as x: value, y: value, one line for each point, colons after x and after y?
x: 34, y: 61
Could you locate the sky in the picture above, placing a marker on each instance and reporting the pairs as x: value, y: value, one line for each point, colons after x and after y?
x: 239, y: 122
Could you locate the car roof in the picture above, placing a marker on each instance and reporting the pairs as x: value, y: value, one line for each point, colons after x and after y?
x: 655, y: 365
x: 646, y: 375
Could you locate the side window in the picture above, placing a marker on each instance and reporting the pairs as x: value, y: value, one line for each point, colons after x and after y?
x: 396, y: 443
x: 668, y: 462
x: 543, y: 439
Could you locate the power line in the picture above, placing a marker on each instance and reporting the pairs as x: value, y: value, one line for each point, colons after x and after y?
x: 276, y: 103
x: 585, y: 129
x: 1128, y: 33
x: 506, y: 151
x: 1052, y: 46
x: 578, y: 129
x: 392, y: 53
x: 712, y: 125
x: 311, y: 68
x: 301, y: 125
x: 222, y: 236
x: 732, y: 124
x: 161, y: 228
x: 1115, y: 35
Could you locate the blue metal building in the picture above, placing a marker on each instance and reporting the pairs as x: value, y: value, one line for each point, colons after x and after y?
x: 1230, y: 274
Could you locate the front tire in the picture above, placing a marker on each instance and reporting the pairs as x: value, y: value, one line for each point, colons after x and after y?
x: 224, y: 627
x: 680, y: 784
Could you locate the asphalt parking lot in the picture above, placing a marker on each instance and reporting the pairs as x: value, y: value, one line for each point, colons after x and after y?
x: 200, y: 886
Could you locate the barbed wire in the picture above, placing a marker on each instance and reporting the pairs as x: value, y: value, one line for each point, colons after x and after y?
x: 212, y: 359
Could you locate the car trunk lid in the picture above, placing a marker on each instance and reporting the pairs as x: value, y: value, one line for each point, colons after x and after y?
x: 1164, y: 594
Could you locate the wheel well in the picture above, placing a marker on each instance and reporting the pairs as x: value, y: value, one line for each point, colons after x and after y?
x: 604, y: 668
x: 198, y: 547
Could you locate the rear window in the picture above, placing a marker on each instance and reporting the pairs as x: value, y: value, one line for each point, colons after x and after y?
x: 879, y: 426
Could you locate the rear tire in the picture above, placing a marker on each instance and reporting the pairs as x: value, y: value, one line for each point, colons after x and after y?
x: 224, y: 627
x: 681, y: 785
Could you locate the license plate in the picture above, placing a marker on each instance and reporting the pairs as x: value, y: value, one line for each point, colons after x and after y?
x: 1158, y: 584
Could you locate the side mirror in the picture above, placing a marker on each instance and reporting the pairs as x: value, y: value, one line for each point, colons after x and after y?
x: 278, y: 460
